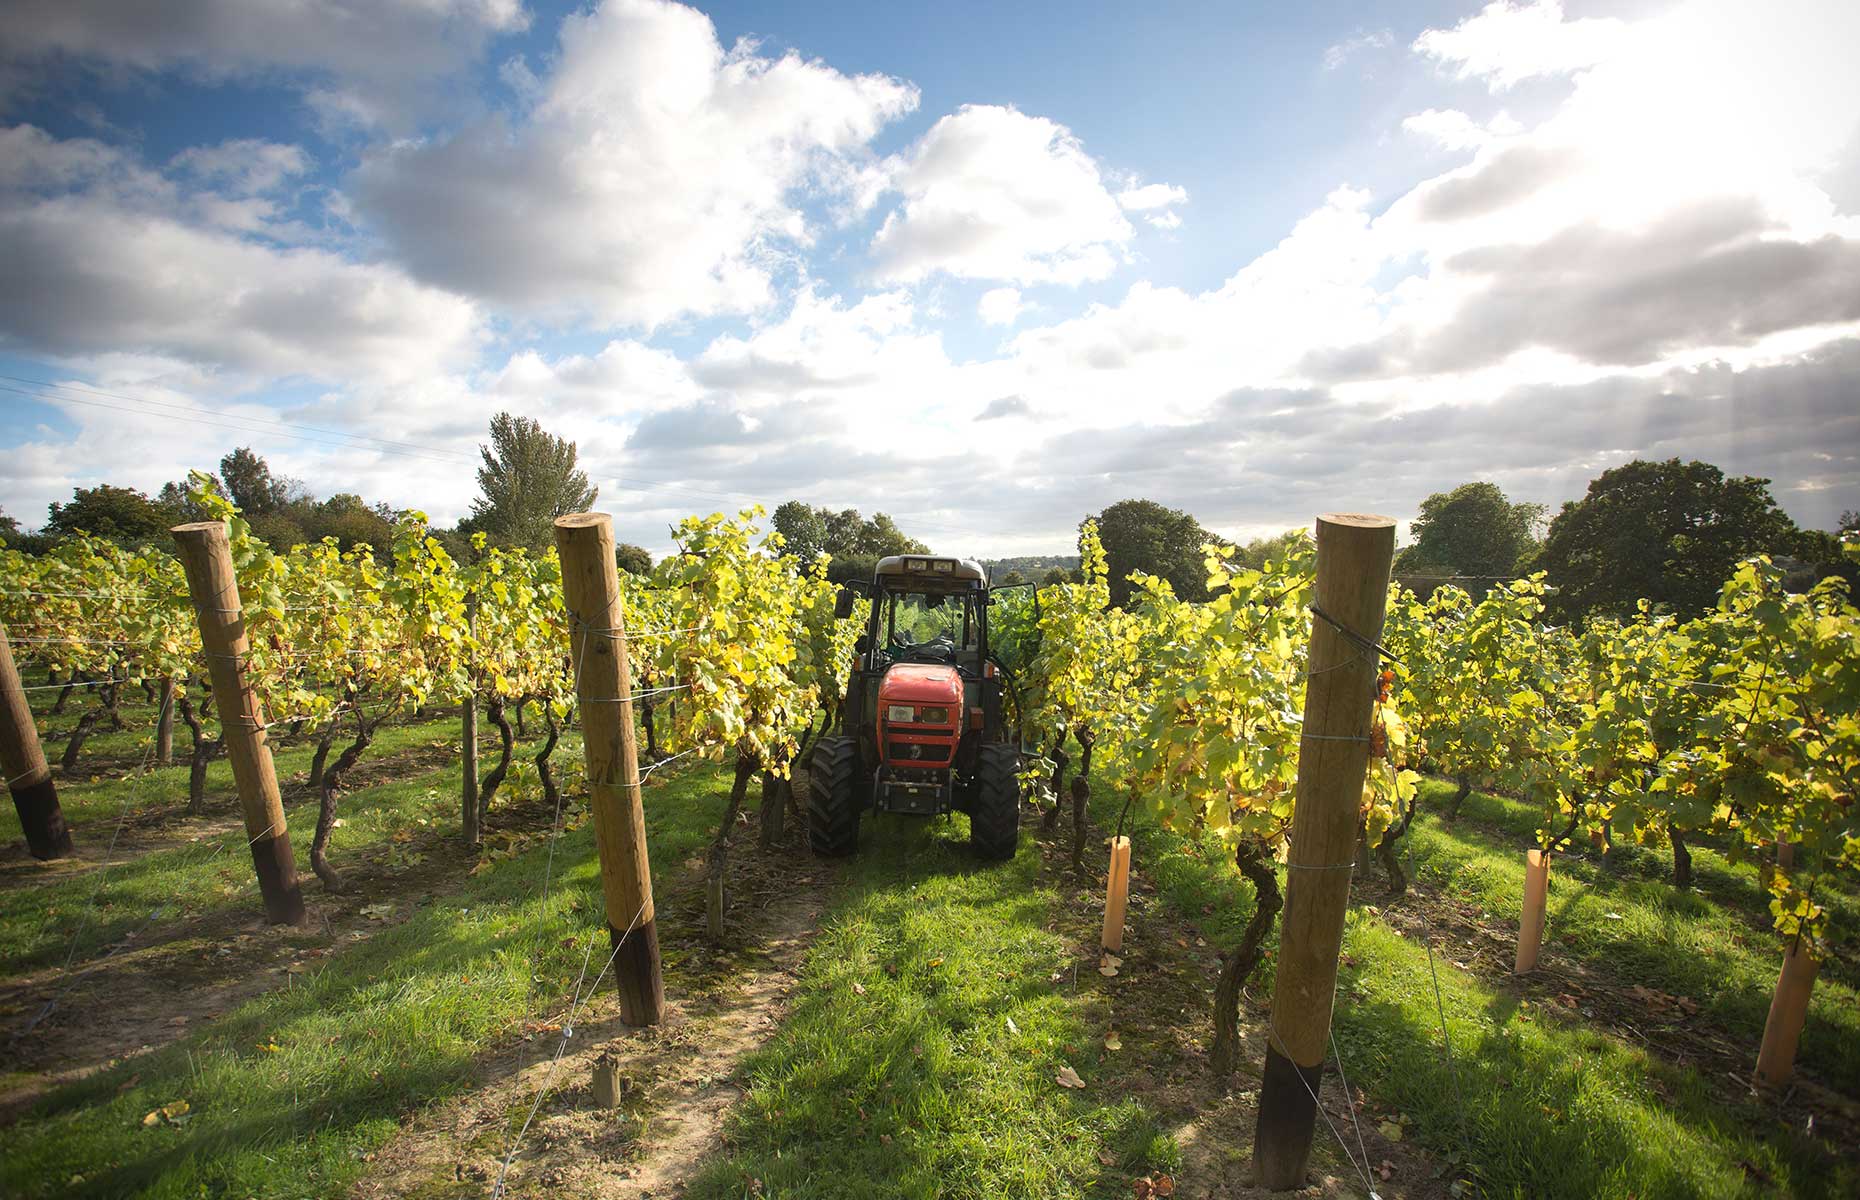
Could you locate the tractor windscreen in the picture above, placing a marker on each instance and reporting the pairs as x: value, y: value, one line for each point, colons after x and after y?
x: 915, y: 625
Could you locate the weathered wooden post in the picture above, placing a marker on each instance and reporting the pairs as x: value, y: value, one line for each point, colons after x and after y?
x: 468, y: 768
x: 604, y: 695
x: 207, y: 558
x: 164, y: 724
x: 1116, y: 894
x: 1353, y: 556
x: 28, y: 778
x: 1788, y: 1013
x: 1531, y: 920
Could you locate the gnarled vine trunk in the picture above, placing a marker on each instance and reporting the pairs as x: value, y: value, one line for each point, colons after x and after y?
x: 199, y: 756
x: 112, y: 701
x: 1224, y: 1055
x: 552, y: 795
x: 1057, y: 783
x: 75, y: 745
x: 1682, y: 857
x: 1385, y: 851
x: 321, y: 758
x: 326, y: 812
x: 64, y: 695
x: 1081, y: 793
x: 495, y: 779
x: 714, y: 905
x: 1459, y: 797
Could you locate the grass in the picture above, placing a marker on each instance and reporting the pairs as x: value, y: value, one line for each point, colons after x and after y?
x: 289, y: 1091
x: 1551, y: 1107
x: 209, y: 870
x: 1627, y: 921
x: 919, y: 1059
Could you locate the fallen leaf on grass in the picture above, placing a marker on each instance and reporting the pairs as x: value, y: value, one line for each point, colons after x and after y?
x: 376, y: 912
x: 1013, y: 1028
x: 936, y: 962
x: 1389, y: 1130
x: 269, y: 1047
x: 1112, y: 1041
x: 858, y: 989
x: 168, y: 1114
x: 1067, y: 1077
x: 1108, y: 965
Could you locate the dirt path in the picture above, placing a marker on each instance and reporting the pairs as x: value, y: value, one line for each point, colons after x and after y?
x: 678, y: 1079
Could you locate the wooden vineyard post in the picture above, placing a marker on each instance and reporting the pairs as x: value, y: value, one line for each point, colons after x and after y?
x: 164, y: 724
x: 468, y: 768
x: 1116, y: 894
x: 1531, y: 921
x: 1788, y: 1013
x: 1353, y: 557
x: 207, y: 558
x: 28, y: 778
x: 604, y: 697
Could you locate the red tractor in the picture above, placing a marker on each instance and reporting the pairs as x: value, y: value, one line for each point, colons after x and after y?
x: 921, y: 728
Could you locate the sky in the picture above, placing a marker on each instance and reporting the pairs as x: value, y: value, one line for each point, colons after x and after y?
x: 988, y: 268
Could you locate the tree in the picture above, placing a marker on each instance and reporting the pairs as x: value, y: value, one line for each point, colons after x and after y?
x: 1850, y: 521
x: 634, y: 560
x: 351, y: 520
x: 1276, y: 549
x: 1473, y: 530
x: 118, y: 514
x: 251, y: 485
x: 803, y: 530
x: 1142, y: 535
x: 1055, y: 575
x: 528, y: 479
x: 177, y: 501
x: 855, y: 542
x: 9, y: 529
x: 1670, y: 532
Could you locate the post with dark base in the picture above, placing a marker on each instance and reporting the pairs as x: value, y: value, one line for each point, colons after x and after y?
x: 28, y: 778
x: 207, y: 558
x: 604, y: 695
x: 1353, y: 556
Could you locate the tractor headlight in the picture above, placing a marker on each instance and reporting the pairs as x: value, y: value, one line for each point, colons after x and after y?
x: 933, y: 716
x: 900, y: 712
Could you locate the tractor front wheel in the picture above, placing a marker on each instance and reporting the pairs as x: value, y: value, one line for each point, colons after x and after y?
x: 833, y: 798
x: 994, y: 814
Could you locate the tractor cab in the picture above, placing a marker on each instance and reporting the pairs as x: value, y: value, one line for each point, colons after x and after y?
x: 921, y: 728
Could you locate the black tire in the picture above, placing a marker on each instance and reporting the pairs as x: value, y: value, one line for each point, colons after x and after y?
x: 833, y: 797
x: 994, y: 816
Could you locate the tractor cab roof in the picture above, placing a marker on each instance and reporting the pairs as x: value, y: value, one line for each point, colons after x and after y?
x: 929, y: 573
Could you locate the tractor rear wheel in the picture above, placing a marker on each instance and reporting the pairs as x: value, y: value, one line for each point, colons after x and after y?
x: 833, y: 797
x: 994, y: 814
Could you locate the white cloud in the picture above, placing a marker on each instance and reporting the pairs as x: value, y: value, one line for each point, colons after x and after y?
x: 1164, y: 220
x: 1363, y: 40
x: 1452, y: 129
x: 992, y: 193
x: 1506, y: 43
x: 1000, y: 306
x: 370, y: 60
x: 651, y: 180
x: 107, y: 256
x: 1151, y: 195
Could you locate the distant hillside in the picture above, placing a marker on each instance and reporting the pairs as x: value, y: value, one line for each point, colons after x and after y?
x: 1031, y: 567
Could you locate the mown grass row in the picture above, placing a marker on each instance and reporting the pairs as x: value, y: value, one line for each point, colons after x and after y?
x: 288, y: 1092
x: 1533, y: 1102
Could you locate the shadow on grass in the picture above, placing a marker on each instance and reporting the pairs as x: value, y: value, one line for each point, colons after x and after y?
x: 287, y: 1092
x: 1551, y: 1108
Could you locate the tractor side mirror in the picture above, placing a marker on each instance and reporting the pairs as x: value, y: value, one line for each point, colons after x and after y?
x: 863, y: 644
x: 843, y: 604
